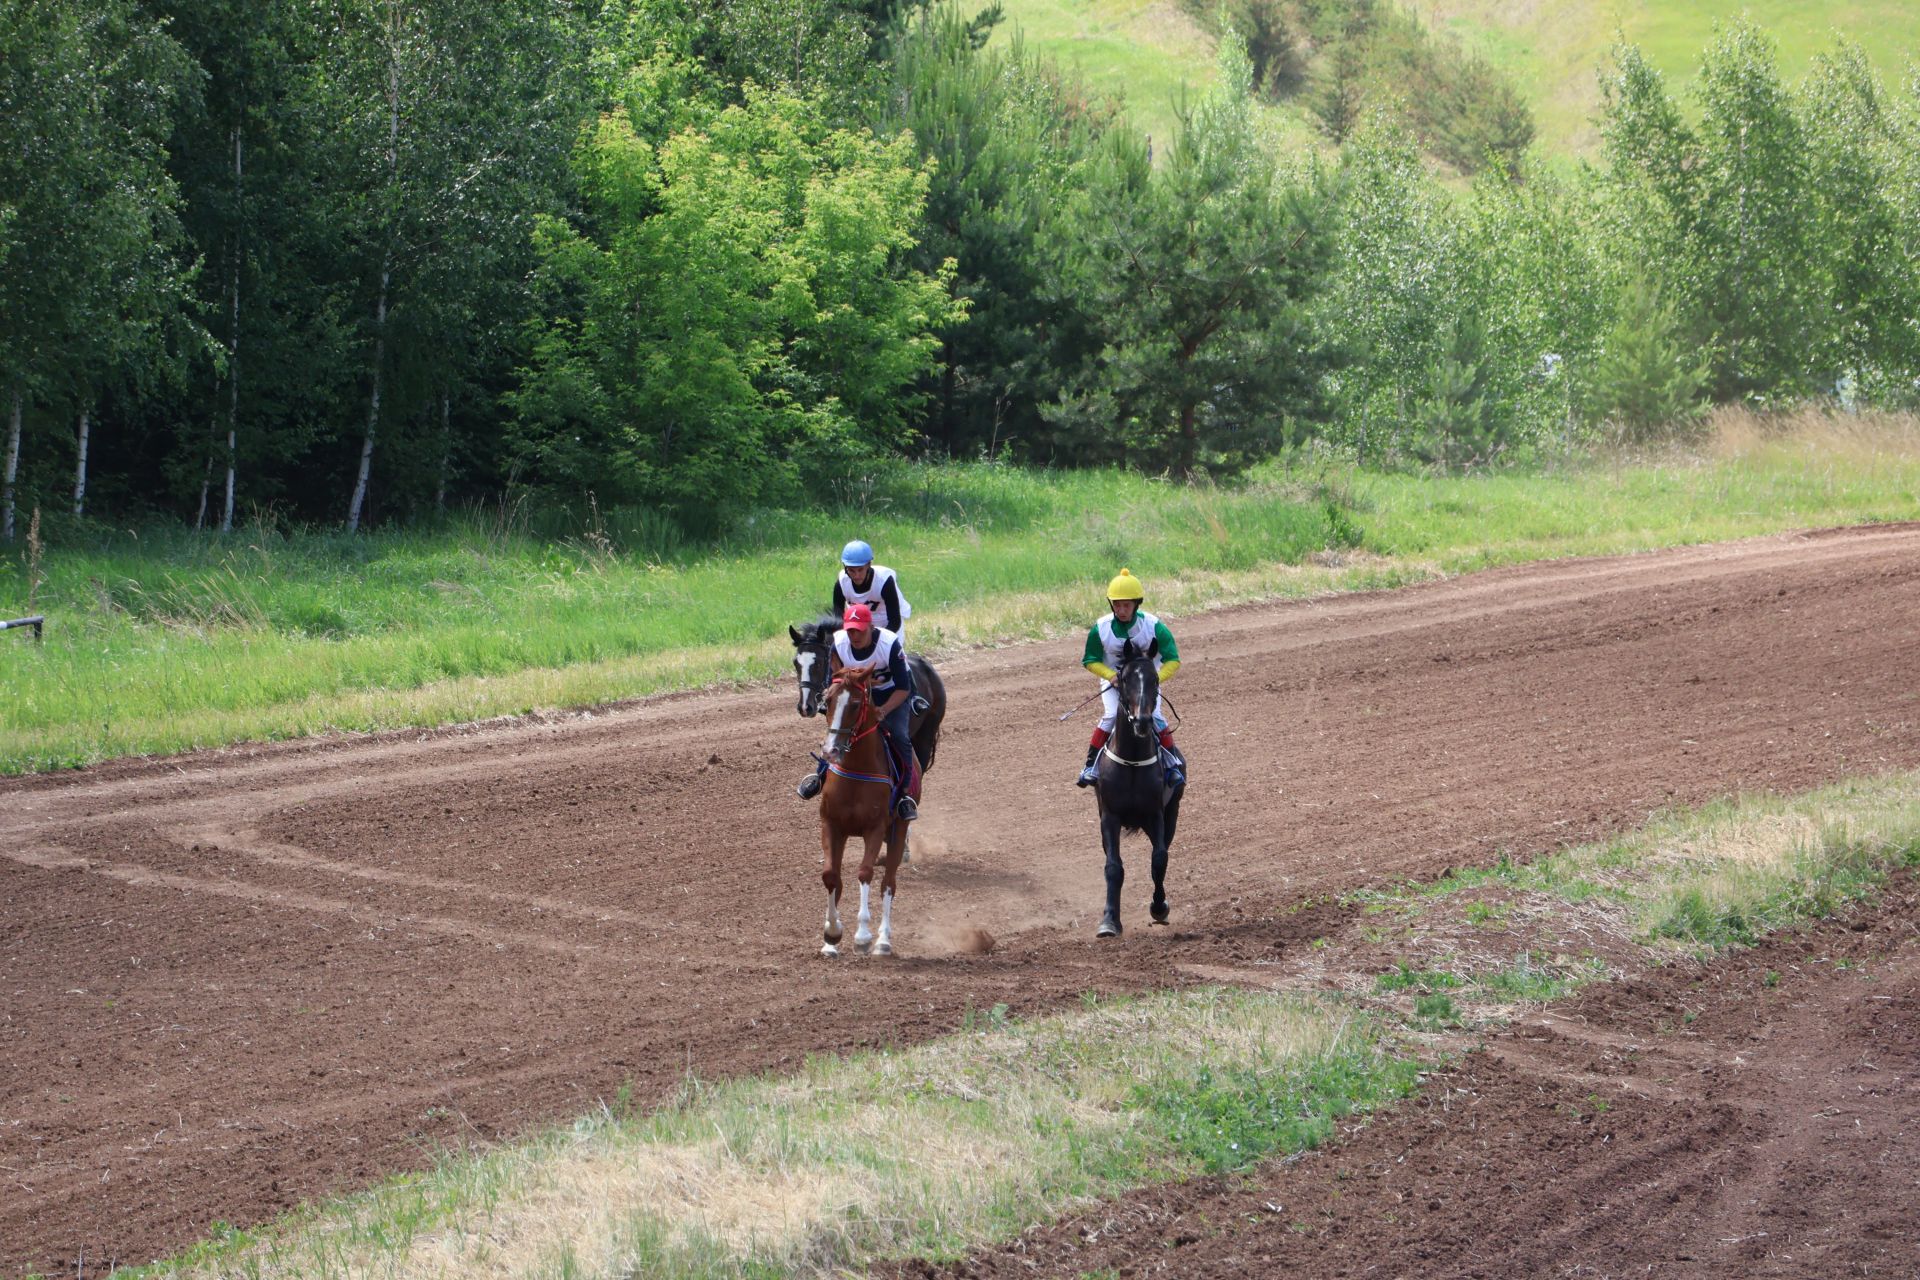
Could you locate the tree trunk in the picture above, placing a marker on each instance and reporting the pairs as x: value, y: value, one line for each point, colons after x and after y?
x: 206, y: 473
x: 233, y: 345
x: 380, y: 307
x: 13, y: 468
x: 373, y: 403
x: 80, y: 466
x: 446, y: 449
x: 1189, y: 447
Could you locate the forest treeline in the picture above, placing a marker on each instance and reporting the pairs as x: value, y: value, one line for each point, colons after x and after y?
x: 359, y: 259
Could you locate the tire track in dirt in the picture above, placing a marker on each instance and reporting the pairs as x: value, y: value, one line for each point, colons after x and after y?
x: 1758, y: 1116
x: 512, y: 920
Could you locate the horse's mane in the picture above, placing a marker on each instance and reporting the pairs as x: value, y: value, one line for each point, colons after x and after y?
x: 819, y: 631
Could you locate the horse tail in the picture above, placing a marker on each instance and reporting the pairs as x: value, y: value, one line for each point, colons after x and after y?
x: 925, y: 730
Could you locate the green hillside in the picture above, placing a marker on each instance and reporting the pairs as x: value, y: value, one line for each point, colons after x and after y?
x: 1551, y: 51
x: 1143, y: 51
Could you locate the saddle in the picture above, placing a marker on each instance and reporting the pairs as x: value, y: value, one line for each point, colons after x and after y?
x: 911, y: 786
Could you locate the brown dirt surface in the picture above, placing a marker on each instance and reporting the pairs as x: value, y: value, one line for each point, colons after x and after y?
x: 1757, y: 1116
x: 234, y: 980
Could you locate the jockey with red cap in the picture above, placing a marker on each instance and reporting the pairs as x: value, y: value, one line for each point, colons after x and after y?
x: 858, y: 646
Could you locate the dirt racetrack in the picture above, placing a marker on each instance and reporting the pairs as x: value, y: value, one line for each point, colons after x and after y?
x: 234, y: 980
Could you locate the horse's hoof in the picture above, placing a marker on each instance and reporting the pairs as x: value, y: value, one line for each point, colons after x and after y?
x: 863, y: 945
x: 829, y: 952
x: 883, y: 949
x: 1159, y: 911
x: 1109, y: 928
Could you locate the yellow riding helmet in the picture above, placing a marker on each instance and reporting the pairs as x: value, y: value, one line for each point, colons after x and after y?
x: 1126, y: 587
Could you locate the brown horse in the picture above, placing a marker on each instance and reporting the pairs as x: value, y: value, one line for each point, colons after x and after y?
x: 856, y: 800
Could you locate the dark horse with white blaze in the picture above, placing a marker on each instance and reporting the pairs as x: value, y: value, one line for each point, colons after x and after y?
x: 1132, y: 787
x: 812, y: 645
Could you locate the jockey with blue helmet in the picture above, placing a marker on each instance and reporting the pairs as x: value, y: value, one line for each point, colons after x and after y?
x: 860, y: 644
x: 1107, y: 641
x: 861, y: 581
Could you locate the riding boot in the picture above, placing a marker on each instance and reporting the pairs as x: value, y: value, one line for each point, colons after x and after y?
x: 810, y: 785
x: 1090, y: 774
x: 1172, y: 761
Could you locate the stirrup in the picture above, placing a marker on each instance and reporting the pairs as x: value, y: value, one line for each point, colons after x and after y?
x: 907, y: 810
x: 1175, y: 767
x: 917, y: 705
x: 1088, y: 776
x: 809, y: 787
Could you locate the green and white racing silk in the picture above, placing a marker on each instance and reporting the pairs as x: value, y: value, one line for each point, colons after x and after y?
x: 1107, y: 640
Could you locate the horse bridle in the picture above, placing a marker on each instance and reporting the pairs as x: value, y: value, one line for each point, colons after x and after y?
x: 1142, y: 720
x: 837, y: 729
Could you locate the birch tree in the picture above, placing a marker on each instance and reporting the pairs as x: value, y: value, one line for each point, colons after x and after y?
x: 450, y: 120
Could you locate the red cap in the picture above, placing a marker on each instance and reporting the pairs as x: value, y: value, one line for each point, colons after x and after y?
x: 857, y: 618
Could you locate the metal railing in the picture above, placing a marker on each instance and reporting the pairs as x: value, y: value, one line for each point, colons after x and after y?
x: 37, y: 621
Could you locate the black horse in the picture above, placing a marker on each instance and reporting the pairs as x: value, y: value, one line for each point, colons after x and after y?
x: 1133, y: 791
x: 813, y: 641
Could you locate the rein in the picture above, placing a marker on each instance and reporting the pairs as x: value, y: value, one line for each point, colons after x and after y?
x: 872, y: 723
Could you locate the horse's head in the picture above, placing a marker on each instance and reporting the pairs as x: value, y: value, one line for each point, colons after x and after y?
x: 810, y: 664
x: 850, y: 698
x: 1139, y: 687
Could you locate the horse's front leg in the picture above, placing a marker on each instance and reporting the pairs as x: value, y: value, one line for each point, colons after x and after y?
x: 1116, y: 876
x: 863, y: 933
x: 889, y: 881
x: 1160, y: 837
x: 833, y: 847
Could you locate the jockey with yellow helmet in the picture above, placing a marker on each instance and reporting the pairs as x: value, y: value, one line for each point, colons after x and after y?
x: 1106, y: 643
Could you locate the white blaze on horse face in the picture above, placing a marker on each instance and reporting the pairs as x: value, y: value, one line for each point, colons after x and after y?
x: 835, y: 747
x: 803, y: 663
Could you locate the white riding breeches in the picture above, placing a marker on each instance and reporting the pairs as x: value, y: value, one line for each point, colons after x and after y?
x: 1110, y: 709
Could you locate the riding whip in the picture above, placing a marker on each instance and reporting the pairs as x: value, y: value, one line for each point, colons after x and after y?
x: 1083, y: 702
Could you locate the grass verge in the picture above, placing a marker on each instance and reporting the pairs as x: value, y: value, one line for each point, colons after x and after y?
x: 165, y: 640
x: 1470, y: 947
x: 923, y: 1151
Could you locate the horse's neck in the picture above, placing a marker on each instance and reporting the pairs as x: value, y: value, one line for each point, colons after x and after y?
x: 863, y: 748
x: 1129, y: 741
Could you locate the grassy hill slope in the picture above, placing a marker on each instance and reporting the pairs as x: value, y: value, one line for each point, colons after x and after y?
x: 1144, y: 51
x: 1551, y: 51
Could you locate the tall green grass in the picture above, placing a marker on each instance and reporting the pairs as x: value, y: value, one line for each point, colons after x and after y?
x: 161, y: 639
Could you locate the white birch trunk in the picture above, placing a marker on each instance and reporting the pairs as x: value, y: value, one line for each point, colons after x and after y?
x: 13, y: 468
x: 206, y: 478
x: 233, y: 345
x: 446, y: 448
x: 386, y: 277
x: 80, y: 467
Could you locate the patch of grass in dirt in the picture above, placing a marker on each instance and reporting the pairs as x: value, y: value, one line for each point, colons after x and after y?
x: 1228, y: 1118
x: 925, y: 1151
x: 1689, y: 883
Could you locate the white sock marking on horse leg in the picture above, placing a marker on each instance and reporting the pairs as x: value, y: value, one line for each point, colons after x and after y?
x: 832, y: 925
x: 885, y: 946
x: 863, y: 935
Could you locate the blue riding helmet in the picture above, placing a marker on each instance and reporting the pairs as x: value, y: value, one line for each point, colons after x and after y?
x: 856, y: 554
